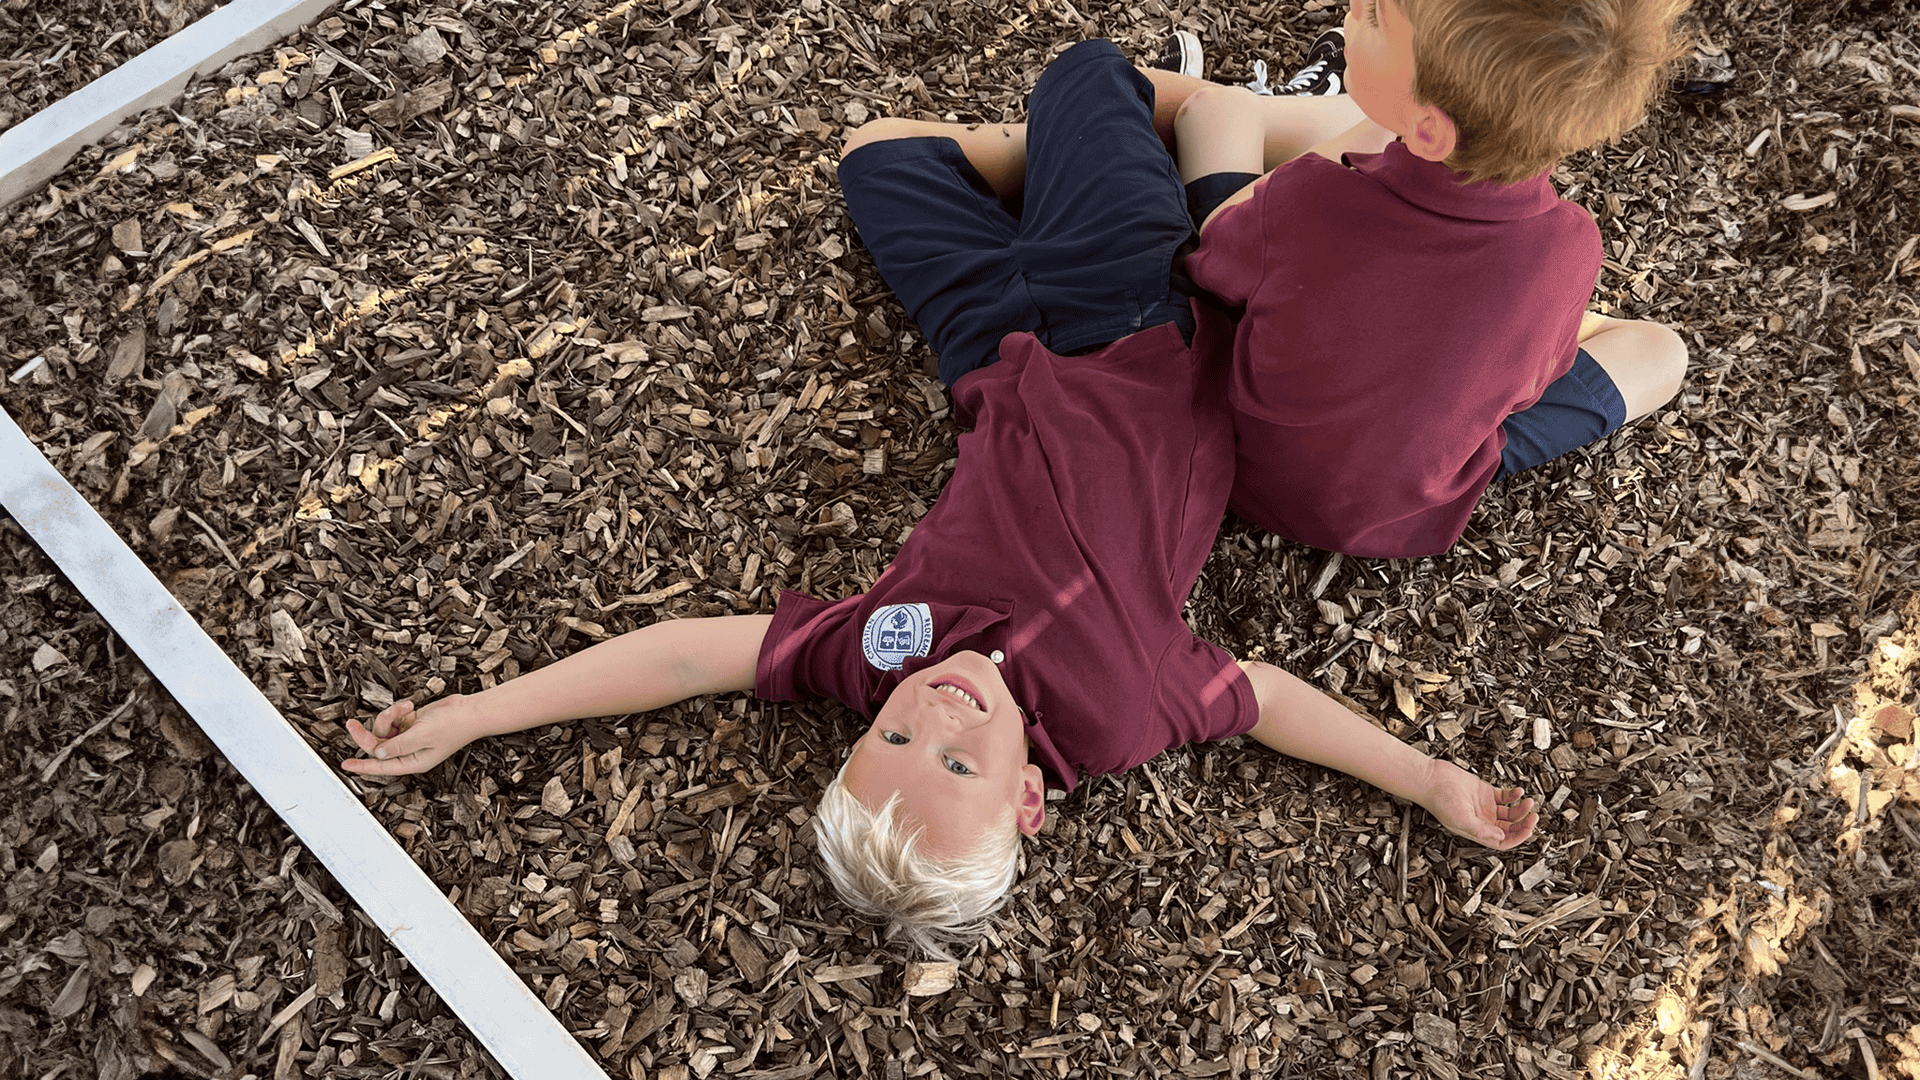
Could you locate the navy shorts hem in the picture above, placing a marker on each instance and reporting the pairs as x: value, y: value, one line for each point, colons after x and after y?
x: 1580, y: 407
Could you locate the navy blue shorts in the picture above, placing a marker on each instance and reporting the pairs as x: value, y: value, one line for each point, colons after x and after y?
x: 1580, y: 407
x: 1087, y: 258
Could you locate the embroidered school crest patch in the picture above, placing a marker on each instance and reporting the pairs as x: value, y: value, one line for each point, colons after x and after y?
x: 897, y: 633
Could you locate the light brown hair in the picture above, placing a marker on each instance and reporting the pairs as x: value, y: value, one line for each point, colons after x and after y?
x: 1528, y: 82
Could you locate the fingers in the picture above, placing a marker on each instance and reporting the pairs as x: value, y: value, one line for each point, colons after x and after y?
x: 364, y: 739
x: 1520, y: 831
x: 383, y: 724
x: 407, y: 752
x: 392, y: 746
x: 1515, y: 832
x: 375, y: 745
x: 402, y: 765
x: 1515, y: 811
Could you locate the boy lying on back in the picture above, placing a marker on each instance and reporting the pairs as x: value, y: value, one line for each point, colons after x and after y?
x: 1030, y: 628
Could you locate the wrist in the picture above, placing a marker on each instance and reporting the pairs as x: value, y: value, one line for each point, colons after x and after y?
x: 477, y: 716
x: 1431, y: 781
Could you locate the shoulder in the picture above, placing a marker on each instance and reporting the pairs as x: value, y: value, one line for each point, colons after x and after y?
x: 1324, y: 187
x: 1315, y: 170
x: 798, y: 648
x: 1570, y: 231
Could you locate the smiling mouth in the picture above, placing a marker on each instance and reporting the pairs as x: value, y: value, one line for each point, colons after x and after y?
x: 949, y: 688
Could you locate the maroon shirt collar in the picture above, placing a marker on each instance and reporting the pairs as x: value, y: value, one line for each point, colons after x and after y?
x: 1431, y: 186
x: 964, y: 622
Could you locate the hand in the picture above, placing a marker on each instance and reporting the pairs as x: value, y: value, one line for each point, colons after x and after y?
x: 408, y: 740
x: 1469, y: 806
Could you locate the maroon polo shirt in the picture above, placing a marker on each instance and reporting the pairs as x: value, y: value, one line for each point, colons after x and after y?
x: 1080, y: 510
x: 1394, y: 319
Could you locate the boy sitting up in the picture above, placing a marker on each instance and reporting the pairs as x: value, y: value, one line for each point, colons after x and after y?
x: 1030, y: 627
x: 1414, y: 292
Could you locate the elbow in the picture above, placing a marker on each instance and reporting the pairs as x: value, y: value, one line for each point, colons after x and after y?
x: 1266, y: 681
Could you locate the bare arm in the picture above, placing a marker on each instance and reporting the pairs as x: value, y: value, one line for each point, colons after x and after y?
x: 638, y: 671
x: 1302, y: 722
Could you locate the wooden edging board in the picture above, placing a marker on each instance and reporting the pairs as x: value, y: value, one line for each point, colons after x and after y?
x: 35, y: 150
x: 499, y: 1009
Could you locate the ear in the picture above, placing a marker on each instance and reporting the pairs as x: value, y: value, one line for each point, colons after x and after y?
x: 1434, y: 135
x: 1031, y: 813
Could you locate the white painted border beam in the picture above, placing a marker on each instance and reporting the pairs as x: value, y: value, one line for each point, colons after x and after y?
x: 40, y: 146
x: 362, y: 856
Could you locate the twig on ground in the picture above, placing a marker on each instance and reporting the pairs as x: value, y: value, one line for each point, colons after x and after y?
x: 1406, y: 820
x: 1839, y: 730
x: 1777, y: 1061
x: 60, y: 758
x: 215, y: 537
x: 1899, y: 820
x: 1866, y: 1054
x: 1704, y: 1054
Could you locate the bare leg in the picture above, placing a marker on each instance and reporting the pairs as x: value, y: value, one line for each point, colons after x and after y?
x: 1286, y: 127
x: 997, y: 151
x: 1645, y: 360
x: 1170, y: 91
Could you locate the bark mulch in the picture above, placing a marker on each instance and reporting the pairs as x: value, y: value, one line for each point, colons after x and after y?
x: 441, y: 341
x: 50, y: 49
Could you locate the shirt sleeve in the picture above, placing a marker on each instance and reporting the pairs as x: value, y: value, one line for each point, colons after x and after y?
x: 1202, y: 695
x: 806, y: 653
x: 1232, y: 247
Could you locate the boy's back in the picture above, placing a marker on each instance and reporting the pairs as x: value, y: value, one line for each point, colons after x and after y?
x: 1394, y: 318
x: 1414, y: 318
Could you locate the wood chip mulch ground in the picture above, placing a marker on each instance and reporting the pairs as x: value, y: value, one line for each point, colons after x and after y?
x: 49, y: 50
x: 440, y: 341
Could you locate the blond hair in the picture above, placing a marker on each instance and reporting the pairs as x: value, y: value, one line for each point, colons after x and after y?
x: 1527, y: 82
x: 879, y: 868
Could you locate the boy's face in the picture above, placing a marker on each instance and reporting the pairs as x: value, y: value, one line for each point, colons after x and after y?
x: 953, y: 743
x: 1380, y: 63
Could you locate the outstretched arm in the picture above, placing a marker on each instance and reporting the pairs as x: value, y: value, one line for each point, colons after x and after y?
x: 641, y: 670
x: 1302, y: 722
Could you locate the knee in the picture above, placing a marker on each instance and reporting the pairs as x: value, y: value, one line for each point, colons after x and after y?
x: 1665, y: 353
x: 880, y: 130
x: 1647, y: 361
x: 1209, y: 102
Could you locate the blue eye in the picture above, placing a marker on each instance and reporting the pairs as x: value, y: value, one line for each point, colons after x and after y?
x: 957, y: 768
x: 895, y: 738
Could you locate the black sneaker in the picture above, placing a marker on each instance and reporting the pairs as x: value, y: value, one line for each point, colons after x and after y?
x: 1705, y: 73
x: 1181, y: 54
x: 1323, y: 75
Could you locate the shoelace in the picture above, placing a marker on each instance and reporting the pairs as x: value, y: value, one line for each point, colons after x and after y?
x: 1259, y: 83
x: 1307, y: 77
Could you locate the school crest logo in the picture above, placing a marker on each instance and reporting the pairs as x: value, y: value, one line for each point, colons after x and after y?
x: 897, y: 633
